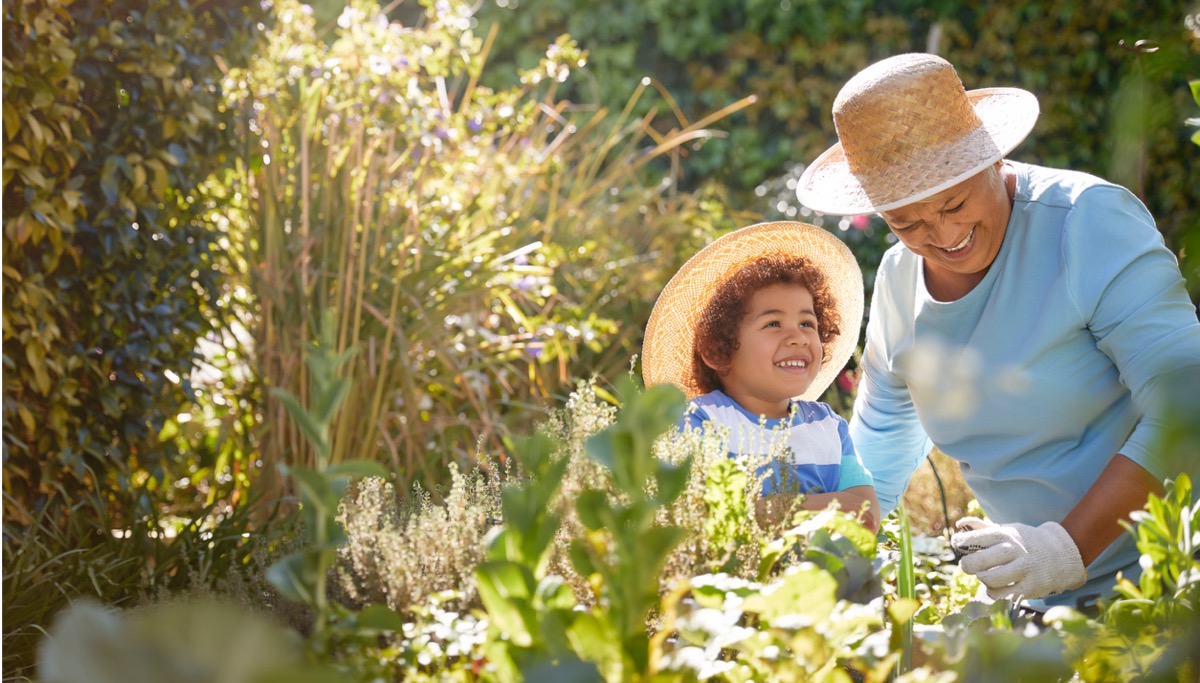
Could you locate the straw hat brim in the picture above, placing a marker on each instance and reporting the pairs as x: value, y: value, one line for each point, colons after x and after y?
x: 829, y: 186
x: 670, y: 334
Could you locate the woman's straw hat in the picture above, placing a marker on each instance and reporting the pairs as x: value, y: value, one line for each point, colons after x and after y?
x: 907, y: 130
x: 671, y: 332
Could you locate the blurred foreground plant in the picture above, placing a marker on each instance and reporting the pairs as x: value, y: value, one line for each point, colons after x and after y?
x: 620, y: 555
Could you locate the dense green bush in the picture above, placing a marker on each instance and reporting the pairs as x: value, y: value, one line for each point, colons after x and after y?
x: 113, y: 118
x: 1105, y: 110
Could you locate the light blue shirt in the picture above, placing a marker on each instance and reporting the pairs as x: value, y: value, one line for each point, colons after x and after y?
x: 814, y: 443
x: 1043, y: 372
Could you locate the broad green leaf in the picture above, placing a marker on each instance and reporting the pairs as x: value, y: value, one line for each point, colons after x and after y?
x: 593, y: 508
x: 594, y: 640
x: 672, y: 479
x: 314, y: 489
x: 805, y: 590
x: 357, y: 468
x: 505, y: 589
x: 567, y: 670
x: 315, y: 431
x: 380, y: 618
x: 295, y: 576
x: 554, y: 593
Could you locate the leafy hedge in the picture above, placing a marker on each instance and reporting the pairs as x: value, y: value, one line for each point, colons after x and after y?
x: 113, y: 119
x: 1105, y: 109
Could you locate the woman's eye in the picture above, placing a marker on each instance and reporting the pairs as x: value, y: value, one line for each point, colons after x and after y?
x: 955, y: 209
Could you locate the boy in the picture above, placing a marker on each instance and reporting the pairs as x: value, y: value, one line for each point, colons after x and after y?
x: 751, y: 329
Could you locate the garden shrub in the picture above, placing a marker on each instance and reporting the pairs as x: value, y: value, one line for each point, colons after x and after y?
x: 114, y: 118
x: 399, y: 552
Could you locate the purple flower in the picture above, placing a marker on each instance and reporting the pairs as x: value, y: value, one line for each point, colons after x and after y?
x: 475, y: 125
x: 534, y: 349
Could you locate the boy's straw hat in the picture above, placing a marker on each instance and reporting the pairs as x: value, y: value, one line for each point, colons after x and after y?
x: 907, y: 129
x: 671, y: 332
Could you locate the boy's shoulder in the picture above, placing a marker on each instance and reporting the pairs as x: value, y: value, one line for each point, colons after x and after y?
x: 816, y: 409
x: 719, y: 406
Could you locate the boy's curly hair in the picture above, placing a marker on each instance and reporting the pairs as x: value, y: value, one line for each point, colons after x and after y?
x: 717, y: 327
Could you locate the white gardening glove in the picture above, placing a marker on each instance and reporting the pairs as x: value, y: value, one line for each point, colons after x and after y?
x: 1019, y: 560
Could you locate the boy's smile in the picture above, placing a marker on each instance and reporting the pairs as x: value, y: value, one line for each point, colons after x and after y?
x: 779, y: 350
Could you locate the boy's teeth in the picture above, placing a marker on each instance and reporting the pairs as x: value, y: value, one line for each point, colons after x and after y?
x: 792, y: 364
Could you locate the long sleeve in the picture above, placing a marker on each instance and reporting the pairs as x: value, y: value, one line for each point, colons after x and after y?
x: 884, y: 427
x: 1127, y: 287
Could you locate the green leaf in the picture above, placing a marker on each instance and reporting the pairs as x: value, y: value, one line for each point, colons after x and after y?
x: 315, y: 431
x: 553, y: 593
x: 505, y: 589
x: 595, y: 640
x: 1195, y: 86
x: 806, y: 590
x: 315, y: 489
x: 379, y: 618
x: 593, y: 508
x: 326, y: 403
x: 295, y: 576
x: 672, y: 480
x: 357, y: 468
x: 109, y: 184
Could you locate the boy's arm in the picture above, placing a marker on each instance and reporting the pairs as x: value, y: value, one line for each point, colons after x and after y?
x: 773, y: 510
x: 850, y: 500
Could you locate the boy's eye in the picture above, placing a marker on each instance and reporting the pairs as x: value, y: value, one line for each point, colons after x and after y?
x: 773, y: 323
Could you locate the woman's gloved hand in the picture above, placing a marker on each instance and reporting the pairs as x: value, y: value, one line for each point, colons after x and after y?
x: 1019, y: 560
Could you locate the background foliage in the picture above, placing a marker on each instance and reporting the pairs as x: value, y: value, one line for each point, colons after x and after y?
x: 113, y: 118
x: 481, y: 248
x: 1106, y: 109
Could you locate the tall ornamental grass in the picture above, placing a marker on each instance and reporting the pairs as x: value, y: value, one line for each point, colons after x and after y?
x: 480, y: 248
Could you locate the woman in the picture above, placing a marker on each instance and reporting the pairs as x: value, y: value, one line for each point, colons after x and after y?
x: 1024, y: 324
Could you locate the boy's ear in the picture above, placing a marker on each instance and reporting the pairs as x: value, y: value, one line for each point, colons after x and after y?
x: 716, y: 367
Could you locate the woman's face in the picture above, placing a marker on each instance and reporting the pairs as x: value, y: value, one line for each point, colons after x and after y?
x: 959, y: 231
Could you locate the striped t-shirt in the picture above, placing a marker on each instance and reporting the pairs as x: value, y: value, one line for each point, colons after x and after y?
x: 809, y: 452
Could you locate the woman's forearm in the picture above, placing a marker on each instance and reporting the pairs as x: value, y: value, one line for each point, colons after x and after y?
x: 1094, y: 522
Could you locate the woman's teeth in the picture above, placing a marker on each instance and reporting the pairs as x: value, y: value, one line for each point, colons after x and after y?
x: 963, y: 243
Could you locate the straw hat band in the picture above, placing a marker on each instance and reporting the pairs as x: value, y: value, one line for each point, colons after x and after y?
x: 907, y: 129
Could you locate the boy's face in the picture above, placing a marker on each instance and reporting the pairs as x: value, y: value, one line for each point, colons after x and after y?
x: 779, y: 350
